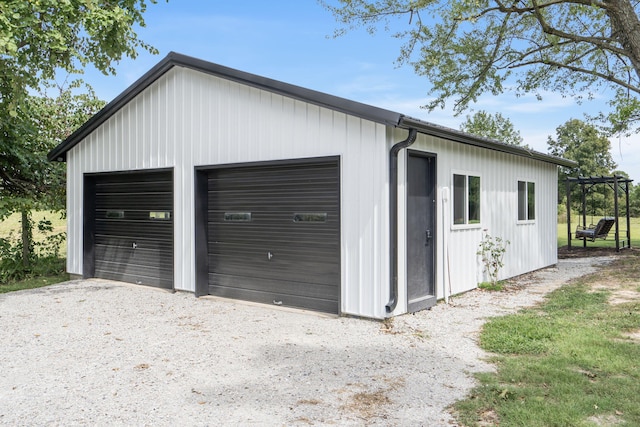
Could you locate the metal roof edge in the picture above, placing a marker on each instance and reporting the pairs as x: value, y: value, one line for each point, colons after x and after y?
x: 344, y: 105
x: 428, y: 128
x: 59, y: 152
x: 354, y: 108
x: 369, y: 112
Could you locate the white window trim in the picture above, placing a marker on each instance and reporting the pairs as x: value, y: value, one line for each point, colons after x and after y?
x: 466, y: 225
x: 535, y: 201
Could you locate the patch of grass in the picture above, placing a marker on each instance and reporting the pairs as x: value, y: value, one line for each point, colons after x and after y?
x: 11, y: 224
x: 49, y: 243
x: 33, y: 282
x: 525, y: 333
x: 569, y: 361
x: 490, y: 286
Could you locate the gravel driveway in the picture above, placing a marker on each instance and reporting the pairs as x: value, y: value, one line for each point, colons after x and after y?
x: 94, y: 352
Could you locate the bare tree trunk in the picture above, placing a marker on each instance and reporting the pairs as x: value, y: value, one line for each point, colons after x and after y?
x: 26, y: 238
x: 625, y: 26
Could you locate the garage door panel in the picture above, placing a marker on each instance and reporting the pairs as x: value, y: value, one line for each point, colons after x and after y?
x: 301, y: 239
x: 136, y: 201
x: 276, y: 174
x: 133, y: 227
x: 138, y: 279
x: 251, y: 256
x: 275, y: 230
x: 141, y: 270
x: 146, y: 251
x: 147, y: 215
x: 262, y: 249
x: 275, y: 292
x: 133, y: 186
x: 321, y: 272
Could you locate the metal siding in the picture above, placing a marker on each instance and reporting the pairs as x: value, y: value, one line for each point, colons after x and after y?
x: 188, y: 119
x: 533, y: 246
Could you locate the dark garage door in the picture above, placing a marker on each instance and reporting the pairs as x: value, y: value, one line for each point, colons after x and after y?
x: 132, y: 235
x: 274, y: 234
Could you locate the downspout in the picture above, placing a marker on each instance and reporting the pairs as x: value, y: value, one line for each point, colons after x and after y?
x: 393, y: 218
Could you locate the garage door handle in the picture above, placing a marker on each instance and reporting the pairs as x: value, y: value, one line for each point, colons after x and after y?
x: 135, y: 245
x: 269, y: 256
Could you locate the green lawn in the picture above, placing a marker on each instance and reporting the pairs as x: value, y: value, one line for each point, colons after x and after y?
x: 571, y: 361
x: 46, y: 270
x: 12, y: 224
x: 32, y: 282
x: 610, y: 242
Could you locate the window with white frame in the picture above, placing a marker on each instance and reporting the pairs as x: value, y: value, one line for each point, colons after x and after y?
x: 526, y: 201
x: 466, y: 199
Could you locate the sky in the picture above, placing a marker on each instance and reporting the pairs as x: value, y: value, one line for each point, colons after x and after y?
x: 291, y: 41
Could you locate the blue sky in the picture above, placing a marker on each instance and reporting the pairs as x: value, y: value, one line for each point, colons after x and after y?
x: 290, y: 40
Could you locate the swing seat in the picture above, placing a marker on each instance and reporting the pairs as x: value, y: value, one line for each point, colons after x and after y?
x: 599, y: 231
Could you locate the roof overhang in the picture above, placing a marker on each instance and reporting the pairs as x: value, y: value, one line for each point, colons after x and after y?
x: 490, y: 144
x: 368, y: 112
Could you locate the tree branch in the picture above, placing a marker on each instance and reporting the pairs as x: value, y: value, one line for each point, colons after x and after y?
x: 548, y: 29
x: 603, y: 76
x: 522, y: 10
x: 481, y: 76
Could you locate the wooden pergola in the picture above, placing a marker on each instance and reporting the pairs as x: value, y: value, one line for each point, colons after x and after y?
x: 617, y: 183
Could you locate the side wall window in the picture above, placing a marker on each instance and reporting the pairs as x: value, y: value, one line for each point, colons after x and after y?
x: 526, y: 201
x: 466, y: 199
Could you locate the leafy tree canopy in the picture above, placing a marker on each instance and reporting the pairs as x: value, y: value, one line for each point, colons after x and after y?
x: 469, y: 48
x: 584, y: 143
x: 591, y: 149
x: 494, y: 126
x: 40, y: 38
x: 27, y: 179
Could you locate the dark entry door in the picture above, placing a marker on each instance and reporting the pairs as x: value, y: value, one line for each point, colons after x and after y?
x: 421, y: 231
x: 128, y: 232
x: 274, y: 234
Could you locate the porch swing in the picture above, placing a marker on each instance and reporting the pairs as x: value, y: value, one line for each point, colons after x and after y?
x: 595, y: 231
x: 602, y: 228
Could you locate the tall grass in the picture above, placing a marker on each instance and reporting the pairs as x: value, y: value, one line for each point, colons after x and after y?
x: 46, y: 255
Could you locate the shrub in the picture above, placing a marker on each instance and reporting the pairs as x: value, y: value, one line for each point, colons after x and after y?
x: 492, y: 250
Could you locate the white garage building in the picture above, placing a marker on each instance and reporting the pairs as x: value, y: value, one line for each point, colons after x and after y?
x: 211, y: 180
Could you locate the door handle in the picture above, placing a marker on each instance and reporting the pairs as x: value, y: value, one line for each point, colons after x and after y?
x: 428, y: 237
x: 269, y: 256
x: 135, y: 245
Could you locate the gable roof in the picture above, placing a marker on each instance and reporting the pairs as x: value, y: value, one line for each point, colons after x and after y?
x: 343, y: 105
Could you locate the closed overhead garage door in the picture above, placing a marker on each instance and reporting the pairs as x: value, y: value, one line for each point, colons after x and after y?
x: 274, y: 234
x: 132, y: 236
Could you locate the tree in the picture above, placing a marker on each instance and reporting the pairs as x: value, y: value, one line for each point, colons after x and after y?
x: 492, y: 126
x: 40, y: 40
x: 634, y: 201
x: 585, y: 144
x: 468, y: 48
x: 30, y: 181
